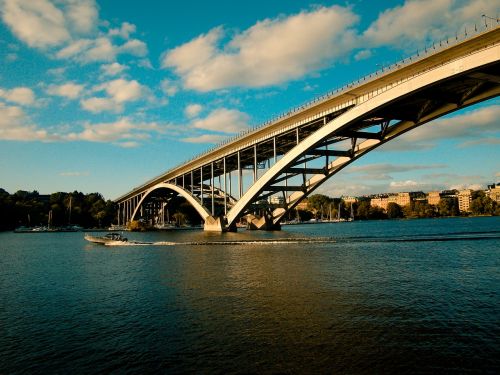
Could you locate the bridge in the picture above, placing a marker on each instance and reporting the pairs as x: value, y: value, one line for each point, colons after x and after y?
x: 286, y: 159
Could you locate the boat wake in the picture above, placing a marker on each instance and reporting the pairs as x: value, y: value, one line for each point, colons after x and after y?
x: 227, y: 243
x: 471, y: 236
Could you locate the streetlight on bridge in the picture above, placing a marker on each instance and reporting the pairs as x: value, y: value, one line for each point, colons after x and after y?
x: 489, y: 18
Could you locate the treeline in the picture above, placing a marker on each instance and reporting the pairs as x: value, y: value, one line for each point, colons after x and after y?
x: 29, y: 209
x: 323, y: 207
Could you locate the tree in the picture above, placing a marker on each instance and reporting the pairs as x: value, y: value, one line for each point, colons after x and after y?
x: 482, y: 205
x: 304, y: 215
x: 394, y: 211
x: 448, y: 207
x: 376, y: 213
x: 363, y: 211
x: 30, y: 209
x: 318, y: 201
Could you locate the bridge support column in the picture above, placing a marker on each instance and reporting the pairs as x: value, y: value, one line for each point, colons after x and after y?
x: 218, y: 224
x: 262, y: 223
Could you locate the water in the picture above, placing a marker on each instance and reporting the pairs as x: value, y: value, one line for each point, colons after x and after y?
x: 418, y: 296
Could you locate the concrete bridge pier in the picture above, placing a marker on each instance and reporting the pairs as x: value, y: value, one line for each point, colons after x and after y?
x: 218, y: 224
x: 262, y: 223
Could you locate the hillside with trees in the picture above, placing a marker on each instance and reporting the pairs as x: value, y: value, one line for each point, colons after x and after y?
x: 25, y: 208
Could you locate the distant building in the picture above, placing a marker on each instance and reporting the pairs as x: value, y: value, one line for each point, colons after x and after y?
x: 349, y: 199
x: 434, y: 197
x: 403, y: 199
x: 464, y: 200
x: 380, y: 202
x: 276, y: 199
x: 494, y: 193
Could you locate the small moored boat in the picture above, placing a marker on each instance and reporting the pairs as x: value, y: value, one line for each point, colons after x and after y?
x: 108, y: 238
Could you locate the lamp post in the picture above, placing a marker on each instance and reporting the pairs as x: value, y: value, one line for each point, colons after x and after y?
x: 489, y: 18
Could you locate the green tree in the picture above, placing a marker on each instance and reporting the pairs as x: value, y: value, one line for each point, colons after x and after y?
x: 318, y: 201
x: 363, y: 210
x: 394, y: 211
x: 305, y: 215
x: 482, y: 205
x: 448, y: 207
x: 376, y: 213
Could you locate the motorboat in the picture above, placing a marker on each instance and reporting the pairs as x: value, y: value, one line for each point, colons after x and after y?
x: 106, y: 239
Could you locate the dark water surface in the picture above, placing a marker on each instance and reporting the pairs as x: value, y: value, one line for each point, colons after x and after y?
x: 383, y: 297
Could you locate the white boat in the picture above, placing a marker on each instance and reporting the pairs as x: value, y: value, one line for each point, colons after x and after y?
x: 108, y: 238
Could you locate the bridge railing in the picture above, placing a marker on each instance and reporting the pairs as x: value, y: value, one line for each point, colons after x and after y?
x: 428, y: 50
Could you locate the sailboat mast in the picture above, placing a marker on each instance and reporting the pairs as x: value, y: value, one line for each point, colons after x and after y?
x: 69, y: 219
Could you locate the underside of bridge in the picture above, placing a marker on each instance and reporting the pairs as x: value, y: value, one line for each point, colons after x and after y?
x: 265, y: 179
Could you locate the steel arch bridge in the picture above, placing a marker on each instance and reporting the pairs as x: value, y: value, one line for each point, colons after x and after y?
x: 287, y: 159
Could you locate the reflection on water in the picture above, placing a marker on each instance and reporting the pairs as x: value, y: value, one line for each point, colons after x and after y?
x: 385, y: 297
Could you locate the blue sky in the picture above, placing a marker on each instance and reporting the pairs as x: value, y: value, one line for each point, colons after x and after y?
x: 104, y: 95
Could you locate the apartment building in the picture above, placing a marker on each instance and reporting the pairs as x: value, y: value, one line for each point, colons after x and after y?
x: 464, y: 200
x: 494, y: 193
x: 434, y: 197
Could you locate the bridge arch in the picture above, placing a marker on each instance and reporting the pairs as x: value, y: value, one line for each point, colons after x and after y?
x: 349, y: 122
x: 202, y: 211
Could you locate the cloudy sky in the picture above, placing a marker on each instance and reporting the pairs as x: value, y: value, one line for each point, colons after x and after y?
x: 104, y: 95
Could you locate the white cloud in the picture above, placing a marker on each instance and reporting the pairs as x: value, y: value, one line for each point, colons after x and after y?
x: 124, y: 132
x: 37, y: 23
x: 145, y: 63
x: 403, y: 184
x: 270, y: 52
x: 168, y: 87
x: 98, y: 105
x: 129, y: 144
x: 14, y: 125
x: 122, y: 90
x: 192, y: 110
x: 467, y: 186
x: 415, y: 21
x: 134, y: 47
x: 113, y: 69
x: 48, y: 23
x: 18, y: 95
x: 190, y: 55
x: 57, y: 72
x: 119, y: 91
x: 223, y: 120
x: 74, y: 48
x: 123, y: 31
x: 82, y: 15
x: 363, y: 55
x: 89, y: 50
x: 71, y: 26
x: 100, y: 49
x: 481, y: 142
x: 68, y: 90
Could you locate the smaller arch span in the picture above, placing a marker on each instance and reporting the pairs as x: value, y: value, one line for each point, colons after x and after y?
x: 202, y: 211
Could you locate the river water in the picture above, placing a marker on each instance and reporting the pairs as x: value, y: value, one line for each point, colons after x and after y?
x: 410, y: 296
